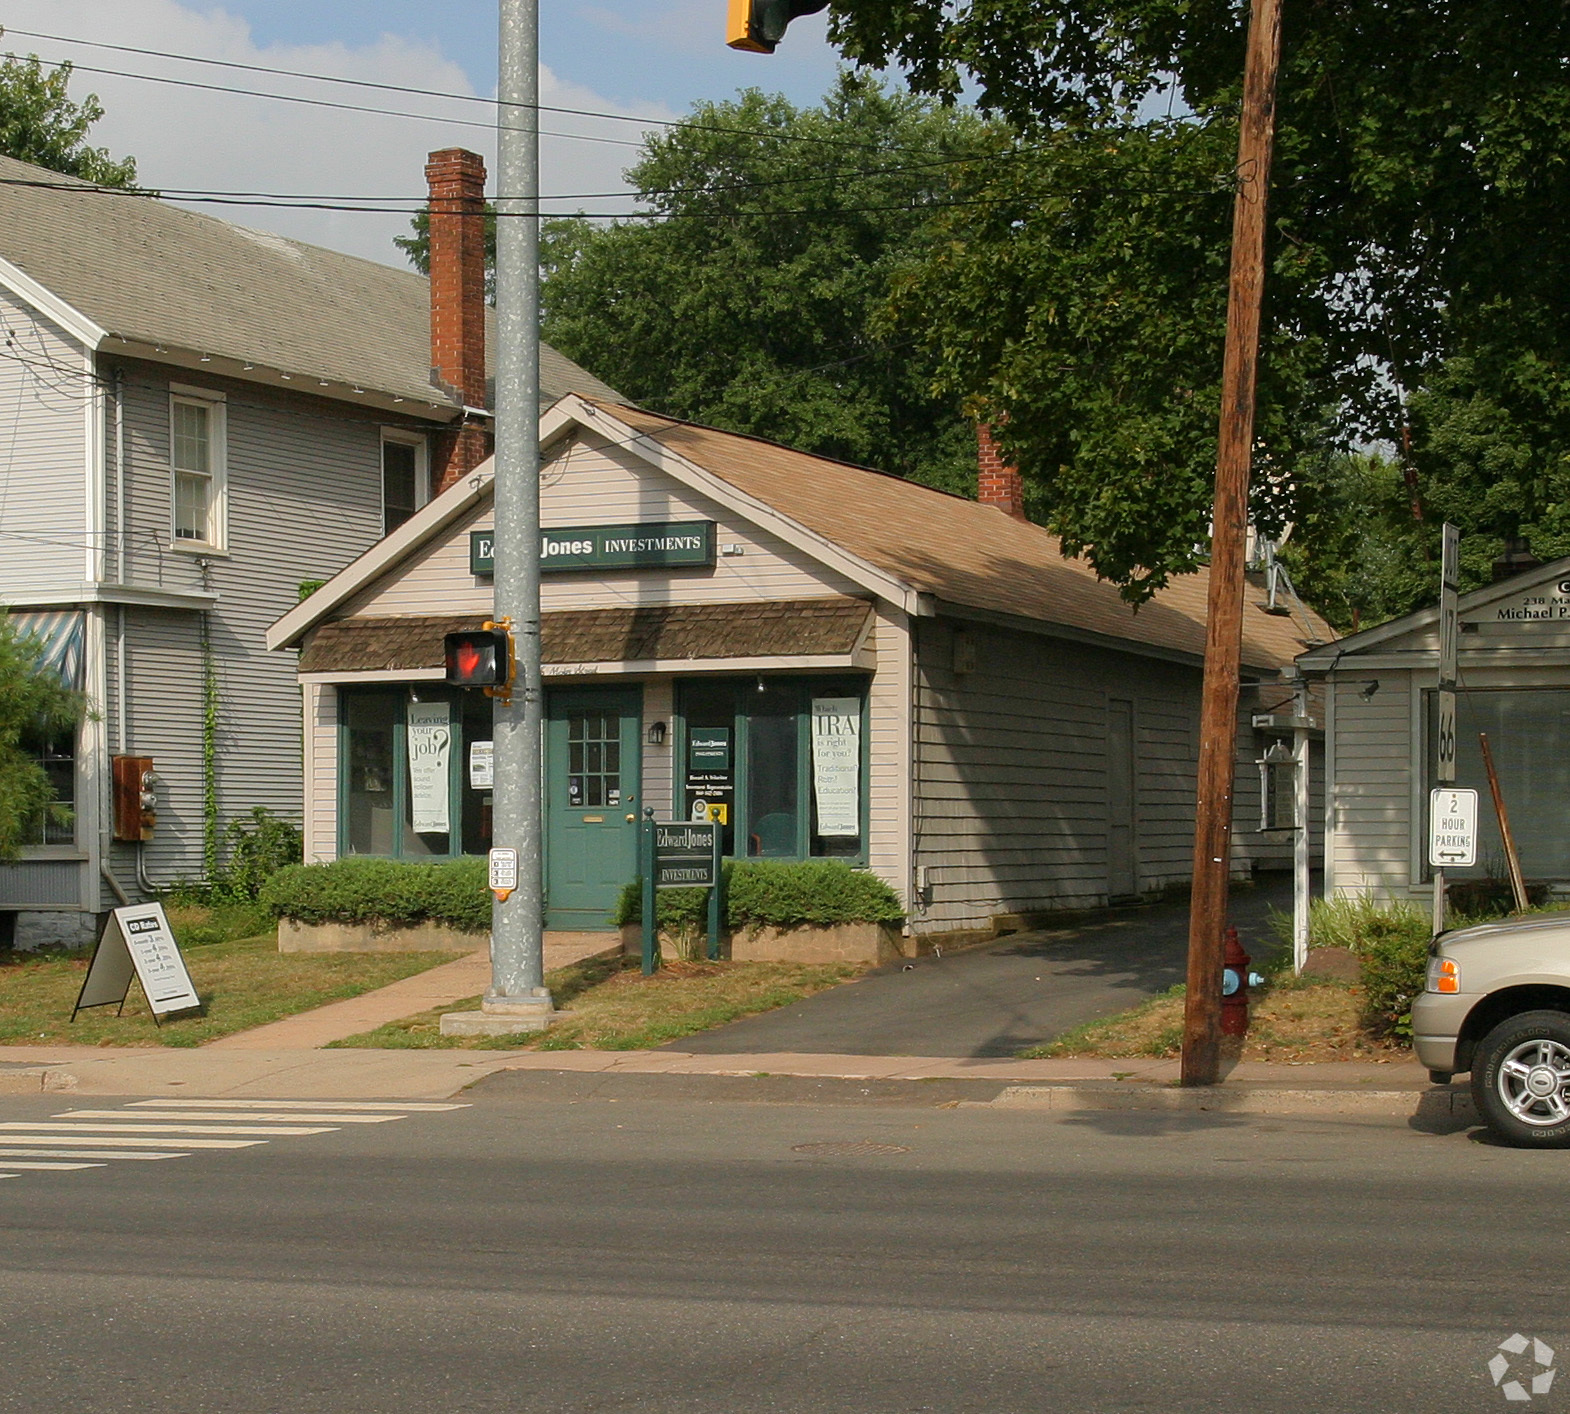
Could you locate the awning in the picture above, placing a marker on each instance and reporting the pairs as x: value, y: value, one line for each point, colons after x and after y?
x: 793, y: 628
x: 62, y: 635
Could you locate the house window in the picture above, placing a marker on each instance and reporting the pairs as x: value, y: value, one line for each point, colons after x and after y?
x: 1529, y: 733
x: 57, y: 757
x: 196, y: 463
x: 785, y: 758
x: 406, y: 482
x: 405, y: 787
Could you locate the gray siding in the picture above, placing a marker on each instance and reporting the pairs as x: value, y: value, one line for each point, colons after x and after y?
x: 45, y: 394
x: 1369, y: 824
x: 304, y: 498
x: 1011, y: 773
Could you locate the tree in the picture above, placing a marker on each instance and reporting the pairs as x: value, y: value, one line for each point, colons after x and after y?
x: 751, y: 298
x: 1416, y: 228
x: 34, y: 707
x: 39, y: 123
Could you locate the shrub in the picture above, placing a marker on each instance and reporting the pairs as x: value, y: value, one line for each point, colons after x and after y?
x: 1391, y: 945
x: 255, y: 851
x: 392, y: 891
x: 774, y: 893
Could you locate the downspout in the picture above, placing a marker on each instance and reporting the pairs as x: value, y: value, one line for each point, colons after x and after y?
x: 120, y: 537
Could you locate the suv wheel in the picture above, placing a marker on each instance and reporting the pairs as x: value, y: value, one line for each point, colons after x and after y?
x: 1521, y: 1080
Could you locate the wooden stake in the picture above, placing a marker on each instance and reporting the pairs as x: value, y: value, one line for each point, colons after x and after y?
x: 1512, y: 859
x: 1224, y: 624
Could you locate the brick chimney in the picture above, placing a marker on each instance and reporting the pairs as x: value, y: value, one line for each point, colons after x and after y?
x: 457, y: 197
x: 997, y: 483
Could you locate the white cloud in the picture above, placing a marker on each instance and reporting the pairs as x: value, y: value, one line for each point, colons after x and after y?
x: 194, y: 139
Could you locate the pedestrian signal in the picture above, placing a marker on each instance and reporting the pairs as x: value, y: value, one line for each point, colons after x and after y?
x: 479, y: 657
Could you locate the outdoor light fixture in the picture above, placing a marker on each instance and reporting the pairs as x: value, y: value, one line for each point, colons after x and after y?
x: 1369, y: 689
x: 761, y: 687
x: 655, y: 736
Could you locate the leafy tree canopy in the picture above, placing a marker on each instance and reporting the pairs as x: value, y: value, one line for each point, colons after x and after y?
x: 40, y: 123
x: 1418, y: 255
x: 752, y: 299
x: 34, y: 706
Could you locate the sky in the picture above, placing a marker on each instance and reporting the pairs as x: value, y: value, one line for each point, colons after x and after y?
x: 649, y: 60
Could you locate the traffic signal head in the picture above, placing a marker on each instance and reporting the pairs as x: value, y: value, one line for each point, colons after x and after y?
x: 480, y: 657
x: 759, y: 25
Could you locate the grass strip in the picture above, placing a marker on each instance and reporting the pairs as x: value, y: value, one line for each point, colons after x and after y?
x: 1290, y: 1020
x: 616, y: 1008
x: 242, y: 983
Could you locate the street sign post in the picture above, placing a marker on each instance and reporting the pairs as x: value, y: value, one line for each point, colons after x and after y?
x: 1445, y: 698
x: 1452, y: 827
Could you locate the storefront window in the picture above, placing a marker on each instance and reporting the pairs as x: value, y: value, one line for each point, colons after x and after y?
x: 57, y: 757
x: 1528, y: 730
x: 781, y: 759
x: 413, y: 786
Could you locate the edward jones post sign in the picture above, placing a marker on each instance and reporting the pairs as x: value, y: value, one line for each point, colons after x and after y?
x: 608, y: 547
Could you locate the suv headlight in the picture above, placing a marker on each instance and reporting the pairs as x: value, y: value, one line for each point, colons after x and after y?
x: 1444, y: 975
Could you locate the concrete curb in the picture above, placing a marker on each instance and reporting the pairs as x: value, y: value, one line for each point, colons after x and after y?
x: 1435, y: 1104
x: 35, y: 1079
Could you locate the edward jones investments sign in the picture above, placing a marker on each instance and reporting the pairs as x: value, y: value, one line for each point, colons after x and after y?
x: 608, y: 547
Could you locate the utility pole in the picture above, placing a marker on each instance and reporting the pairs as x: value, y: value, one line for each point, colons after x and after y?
x: 1224, y: 620
x: 517, y: 997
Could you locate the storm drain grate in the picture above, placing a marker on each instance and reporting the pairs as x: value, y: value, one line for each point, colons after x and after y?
x: 853, y: 1147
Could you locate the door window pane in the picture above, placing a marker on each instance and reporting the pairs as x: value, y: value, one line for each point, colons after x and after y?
x: 593, y: 760
x: 370, y: 720
x: 773, y: 770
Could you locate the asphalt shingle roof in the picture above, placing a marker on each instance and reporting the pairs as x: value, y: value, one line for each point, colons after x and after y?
x: 159, y: 274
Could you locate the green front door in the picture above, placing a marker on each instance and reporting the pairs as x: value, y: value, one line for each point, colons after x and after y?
x: 592, y: 789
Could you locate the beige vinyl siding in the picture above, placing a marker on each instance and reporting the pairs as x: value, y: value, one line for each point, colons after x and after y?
x: 659, y: 705
x: 1369, y: 839
x: 321, y: 781
x: 889, y: 752
x: 583, y: 485
x: 304, y: 493
x: 1011, y: 773
x: 44, y: 397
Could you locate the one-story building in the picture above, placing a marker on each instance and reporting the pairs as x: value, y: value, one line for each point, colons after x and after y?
x: 841, y: 663
x: 1381, y: 735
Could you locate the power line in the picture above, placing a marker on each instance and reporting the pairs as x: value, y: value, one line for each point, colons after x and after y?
x: 420, y: 92
x: 353, y: 205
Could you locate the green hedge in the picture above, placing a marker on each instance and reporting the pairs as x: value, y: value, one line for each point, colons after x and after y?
x: 775, y: 893
x: 392, y: 891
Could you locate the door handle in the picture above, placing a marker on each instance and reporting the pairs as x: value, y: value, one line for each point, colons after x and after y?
x: 631, y: 818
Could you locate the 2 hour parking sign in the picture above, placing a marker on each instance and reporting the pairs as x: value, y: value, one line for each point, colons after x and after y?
x: 1452, y: 828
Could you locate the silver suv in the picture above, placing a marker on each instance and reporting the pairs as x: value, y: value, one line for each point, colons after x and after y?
x: 1497, y: 1003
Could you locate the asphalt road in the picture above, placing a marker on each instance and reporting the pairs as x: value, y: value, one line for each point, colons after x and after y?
x: 590, y: 1244
x: 997, y: 1000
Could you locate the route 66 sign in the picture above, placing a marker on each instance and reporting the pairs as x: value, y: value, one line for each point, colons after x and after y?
x: 1445, y: 765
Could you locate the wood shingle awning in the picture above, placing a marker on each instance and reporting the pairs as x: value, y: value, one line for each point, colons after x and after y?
x: 793, y: 628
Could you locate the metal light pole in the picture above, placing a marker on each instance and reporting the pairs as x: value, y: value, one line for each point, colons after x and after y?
x: 517, y: 995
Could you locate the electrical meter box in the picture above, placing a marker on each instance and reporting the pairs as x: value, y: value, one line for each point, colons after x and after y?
x: 135, y: 798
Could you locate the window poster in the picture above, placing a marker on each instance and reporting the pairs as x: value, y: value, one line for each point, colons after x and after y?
x: 836, y: 764
x: 430, y: 739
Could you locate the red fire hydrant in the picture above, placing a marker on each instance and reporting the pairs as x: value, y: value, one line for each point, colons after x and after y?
x: 1234, y: 988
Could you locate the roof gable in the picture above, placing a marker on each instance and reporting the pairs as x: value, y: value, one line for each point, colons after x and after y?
x: 922, y: 549
x: 1531, y: 609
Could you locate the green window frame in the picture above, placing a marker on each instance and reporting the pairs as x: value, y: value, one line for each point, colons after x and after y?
x: 359, y: 764
x: 740, y: 842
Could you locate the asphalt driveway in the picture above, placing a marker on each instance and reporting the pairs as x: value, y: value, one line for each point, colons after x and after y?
x: 1023, y: 990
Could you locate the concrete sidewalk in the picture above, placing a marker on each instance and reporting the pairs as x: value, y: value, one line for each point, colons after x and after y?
x: 1351, y: 1088
x: 440, y: 986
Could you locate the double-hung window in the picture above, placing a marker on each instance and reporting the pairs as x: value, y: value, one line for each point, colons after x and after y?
x: 406, y: 479
x: 197, y: 437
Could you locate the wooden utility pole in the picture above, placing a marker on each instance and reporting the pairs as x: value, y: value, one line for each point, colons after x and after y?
x: 1224, y: 623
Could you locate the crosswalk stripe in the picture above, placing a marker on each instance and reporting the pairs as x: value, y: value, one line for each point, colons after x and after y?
x: 409, y: 1106
x: 17, y: 1164
x: 54, y: 1136
x: 81, y: 1154
x: 238, y: 1116
x: 170, y: 1128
